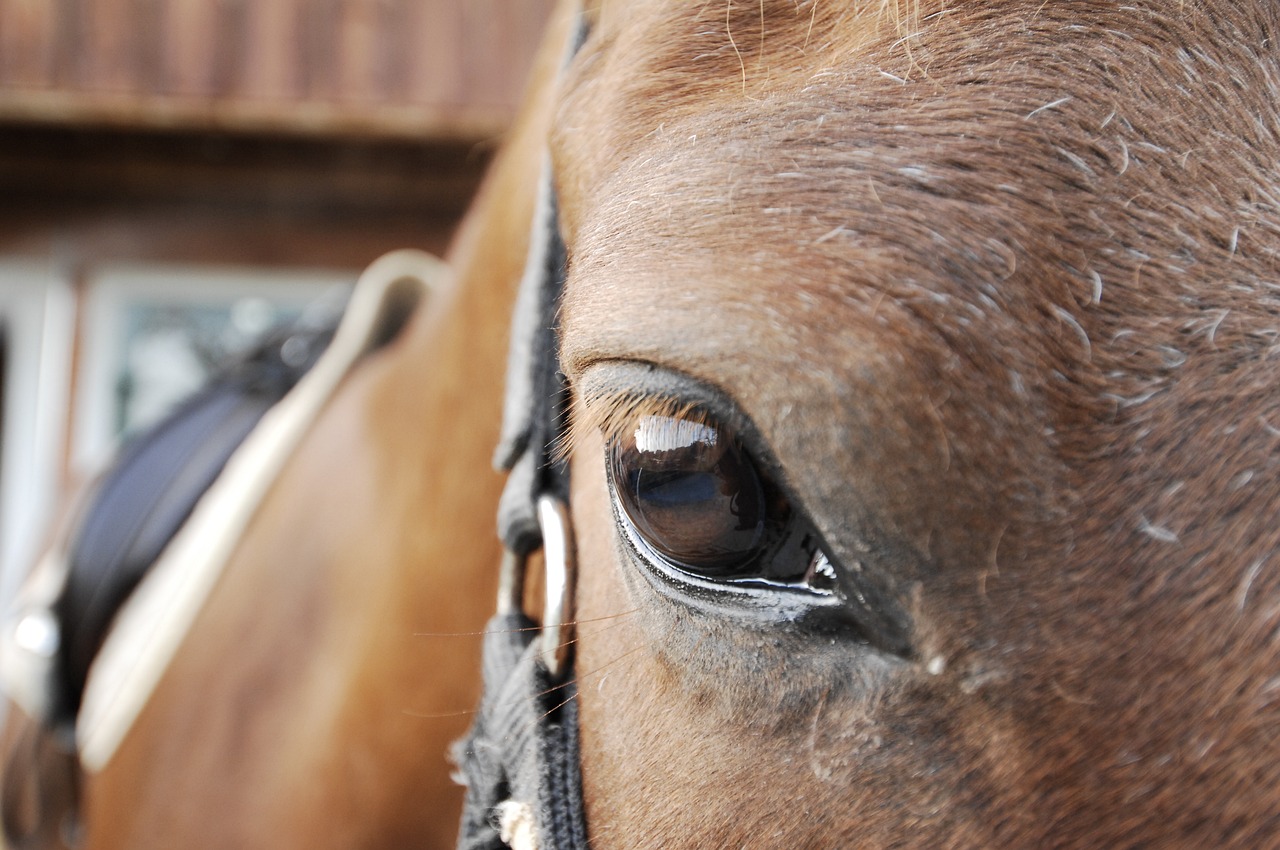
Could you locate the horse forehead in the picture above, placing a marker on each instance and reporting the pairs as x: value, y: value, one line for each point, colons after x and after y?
x: 823, y: 162
x: 788, y: 79
x: 817, y: 162
x: 762, y: 231
x: 783, y: 226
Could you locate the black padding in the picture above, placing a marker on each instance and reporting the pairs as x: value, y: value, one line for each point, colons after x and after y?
x: 522, y: 746
x: 536, y: 338
x: 150, y: 490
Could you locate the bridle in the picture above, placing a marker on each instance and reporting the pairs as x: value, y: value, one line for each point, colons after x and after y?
x: 520, y: 761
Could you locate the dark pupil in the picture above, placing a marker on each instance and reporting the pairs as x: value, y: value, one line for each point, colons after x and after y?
x: 691, y: 493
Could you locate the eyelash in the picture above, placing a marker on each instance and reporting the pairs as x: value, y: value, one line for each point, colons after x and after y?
x: 611, y: 413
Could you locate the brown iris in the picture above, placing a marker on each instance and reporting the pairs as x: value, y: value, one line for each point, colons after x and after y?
x: 693, y: 495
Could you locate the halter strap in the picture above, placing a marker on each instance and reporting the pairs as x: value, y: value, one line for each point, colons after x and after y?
x: 521, y: 761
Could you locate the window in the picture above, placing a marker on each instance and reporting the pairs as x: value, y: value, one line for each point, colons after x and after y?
x: 37, y: 323
x: 152, y: 335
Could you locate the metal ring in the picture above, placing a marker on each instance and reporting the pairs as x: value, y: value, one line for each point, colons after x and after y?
x: 561, y: 571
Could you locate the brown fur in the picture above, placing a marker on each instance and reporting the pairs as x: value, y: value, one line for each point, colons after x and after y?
x: 997, y: 284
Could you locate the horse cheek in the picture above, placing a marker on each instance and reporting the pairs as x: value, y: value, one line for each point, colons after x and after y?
x: 606, y: 644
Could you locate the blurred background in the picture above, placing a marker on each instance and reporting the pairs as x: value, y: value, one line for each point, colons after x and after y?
x: 178, y: 175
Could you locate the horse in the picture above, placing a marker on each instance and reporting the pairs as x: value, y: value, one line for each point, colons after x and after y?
x: 919, y: 445
x: 922, y: 438
x: 311, y: 699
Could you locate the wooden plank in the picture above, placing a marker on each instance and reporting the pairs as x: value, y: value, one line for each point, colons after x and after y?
x: 357, y: 46
x: 437, y: 55
x: 312, y: 176
x: 27, y: 37
x: 226, y: 72
x: 147, y: 19
x: 109, y: 51
x: 182, y: 197
x: 69, y: 43
x: 244, y: 115
x: 271, y: 50
x: 296, y: 66
x: 487, y: 35
x: 189, y: 48
x: 391, y: 64
x: 318, y: 45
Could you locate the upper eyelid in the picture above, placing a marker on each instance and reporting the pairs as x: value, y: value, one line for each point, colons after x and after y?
x: 610, y: 394
x: 614, y: 412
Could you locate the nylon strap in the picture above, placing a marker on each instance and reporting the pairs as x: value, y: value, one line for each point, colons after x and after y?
x: 523, y: 746
x: 533, y: 409
x: 520, y: 761
x: 522, y: 750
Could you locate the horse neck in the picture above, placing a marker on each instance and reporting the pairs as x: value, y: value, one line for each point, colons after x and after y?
x: 379, y: 545
x: 463, y: 340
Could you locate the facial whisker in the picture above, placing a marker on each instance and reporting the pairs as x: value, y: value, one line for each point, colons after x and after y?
x: 439, y: 715
x: 577, y: 680
x: 533, y: 628
x: 571, y: 641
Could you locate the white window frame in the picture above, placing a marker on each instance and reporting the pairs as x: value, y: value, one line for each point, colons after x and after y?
x: 38, y: 308
x: 109, y: 291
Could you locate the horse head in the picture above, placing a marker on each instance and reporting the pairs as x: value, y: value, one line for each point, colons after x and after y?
x: 923, y: 442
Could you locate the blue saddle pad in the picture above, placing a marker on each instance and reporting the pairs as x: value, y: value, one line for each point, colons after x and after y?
x: 152, y: 487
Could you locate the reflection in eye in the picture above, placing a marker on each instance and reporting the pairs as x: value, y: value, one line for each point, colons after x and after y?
x: 693, y: 495
x: 668, y: 433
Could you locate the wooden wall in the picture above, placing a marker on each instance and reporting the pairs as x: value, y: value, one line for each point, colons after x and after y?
x: 90, y: 196
x: 423, y: 69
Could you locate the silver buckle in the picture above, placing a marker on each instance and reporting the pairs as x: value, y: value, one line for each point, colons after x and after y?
x: 560, y: 557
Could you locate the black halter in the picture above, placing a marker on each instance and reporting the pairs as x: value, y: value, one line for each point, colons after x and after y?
x: 520, y: 760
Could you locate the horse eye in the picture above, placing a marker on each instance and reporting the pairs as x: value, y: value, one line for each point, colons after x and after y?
x: 695, y: 497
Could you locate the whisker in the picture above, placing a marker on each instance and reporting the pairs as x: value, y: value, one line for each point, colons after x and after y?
x: 574, y: 640
x: 558, y: 705
x: 605, y: 618
x: 577, y: 680
x: 441, y: 715
x: 471, y: 712
x: 547, y: 692
x: 571, y: 641
x: 480, y: 633
x: 533, y: 628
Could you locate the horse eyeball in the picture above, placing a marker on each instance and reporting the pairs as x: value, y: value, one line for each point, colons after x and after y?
x: 692, y: 494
